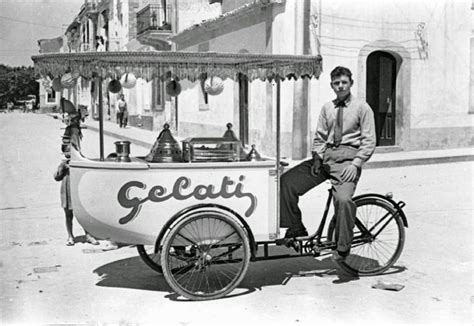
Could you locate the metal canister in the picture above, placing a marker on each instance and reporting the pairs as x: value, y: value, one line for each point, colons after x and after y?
x: 122, y: 148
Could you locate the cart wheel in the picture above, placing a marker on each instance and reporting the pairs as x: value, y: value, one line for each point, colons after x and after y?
x: 379, y: 236
x: 205, y: 255
x: 151, y: 256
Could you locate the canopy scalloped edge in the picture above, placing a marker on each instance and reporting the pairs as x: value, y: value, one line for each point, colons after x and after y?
x: 183, y: 65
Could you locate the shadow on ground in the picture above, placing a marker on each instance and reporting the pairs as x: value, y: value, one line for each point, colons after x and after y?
x: 132, y: 273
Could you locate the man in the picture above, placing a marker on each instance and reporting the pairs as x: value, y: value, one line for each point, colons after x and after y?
x: 122, y: 111
x: 345, y: 139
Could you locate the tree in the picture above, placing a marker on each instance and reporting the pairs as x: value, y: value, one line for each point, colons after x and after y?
x: 16, y: 83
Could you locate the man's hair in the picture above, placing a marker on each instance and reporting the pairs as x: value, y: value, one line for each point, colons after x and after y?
x: 341, y: 71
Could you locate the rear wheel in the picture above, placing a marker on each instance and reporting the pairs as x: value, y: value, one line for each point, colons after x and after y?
x: 379, y: 236
x: 205, y: 255
x: 151, y: 256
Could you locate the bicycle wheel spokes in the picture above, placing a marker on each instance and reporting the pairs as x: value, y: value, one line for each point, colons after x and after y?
x: 206, y: 257
x: 378, y: 241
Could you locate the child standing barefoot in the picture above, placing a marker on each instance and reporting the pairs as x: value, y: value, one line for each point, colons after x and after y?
x: 62, y: 174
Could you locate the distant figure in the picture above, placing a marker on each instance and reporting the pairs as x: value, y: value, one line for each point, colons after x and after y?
x: 100, y: 46
x: 122, y: 112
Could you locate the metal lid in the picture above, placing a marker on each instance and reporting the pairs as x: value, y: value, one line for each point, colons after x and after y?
x: 166, y: 148
x: 229, y: 134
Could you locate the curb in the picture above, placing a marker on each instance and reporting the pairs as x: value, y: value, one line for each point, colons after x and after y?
x: 418, y: 161
x: 368, y: 165
x: 113, y: 134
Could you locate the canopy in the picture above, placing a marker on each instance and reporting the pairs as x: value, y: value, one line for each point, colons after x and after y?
x: 184, y: 65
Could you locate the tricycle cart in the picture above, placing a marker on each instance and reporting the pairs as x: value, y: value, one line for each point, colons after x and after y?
x: 205, y: 220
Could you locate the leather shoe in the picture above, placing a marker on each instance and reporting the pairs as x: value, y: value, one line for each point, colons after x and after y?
x: 293, y: 233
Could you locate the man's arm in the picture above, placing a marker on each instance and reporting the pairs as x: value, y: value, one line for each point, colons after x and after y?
x: 367, y: 134
x: 321, y: 136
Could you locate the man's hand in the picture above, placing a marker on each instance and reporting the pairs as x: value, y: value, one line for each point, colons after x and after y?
x: 316, y: 165
x: 349, y: 174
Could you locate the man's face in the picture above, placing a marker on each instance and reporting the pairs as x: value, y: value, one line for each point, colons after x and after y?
x: 341, y: 86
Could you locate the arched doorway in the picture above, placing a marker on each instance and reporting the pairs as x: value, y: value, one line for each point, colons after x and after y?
x: 380, y: 94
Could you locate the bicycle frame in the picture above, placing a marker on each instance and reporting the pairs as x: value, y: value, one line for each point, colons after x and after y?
x: 315, y: 244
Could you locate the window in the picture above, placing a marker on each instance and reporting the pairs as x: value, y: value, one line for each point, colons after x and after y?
x: 157, y: 95
x: 51, y: 97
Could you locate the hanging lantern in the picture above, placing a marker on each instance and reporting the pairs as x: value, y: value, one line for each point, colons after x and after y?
x: 128, y: 80
x: 68, y: 81
x: 57, y: 86
x: 173, y: 87
x: 115, y: 86
x: 213, y: 86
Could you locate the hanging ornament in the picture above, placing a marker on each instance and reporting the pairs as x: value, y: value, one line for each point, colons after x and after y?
x: 173, y: 87
x: 128, y: 80
x: 68, y: 81
x: 213, y: 86
x: 57, y: 86
x: 115, y: 86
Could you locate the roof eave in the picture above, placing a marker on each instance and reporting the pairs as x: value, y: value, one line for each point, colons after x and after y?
x: 224, y: 19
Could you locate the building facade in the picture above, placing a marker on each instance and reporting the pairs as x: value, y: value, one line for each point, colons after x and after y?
x: 126, y: 25
x: 412, y: 62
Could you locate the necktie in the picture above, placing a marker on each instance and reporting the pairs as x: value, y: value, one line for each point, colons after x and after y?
x: 338, y: 124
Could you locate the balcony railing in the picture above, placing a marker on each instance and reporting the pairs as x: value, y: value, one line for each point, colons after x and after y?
x: 154, y: 18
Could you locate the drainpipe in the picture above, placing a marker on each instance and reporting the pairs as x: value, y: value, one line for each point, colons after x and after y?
x: 301, y: 119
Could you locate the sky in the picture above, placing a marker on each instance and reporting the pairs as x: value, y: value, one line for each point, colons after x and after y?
x: 24, y: 22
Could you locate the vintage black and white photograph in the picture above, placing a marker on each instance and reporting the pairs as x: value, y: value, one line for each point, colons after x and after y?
x: 236, y: 162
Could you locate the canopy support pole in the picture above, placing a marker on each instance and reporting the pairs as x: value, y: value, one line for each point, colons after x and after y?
x: 278, y: 152
x: 101, y: 120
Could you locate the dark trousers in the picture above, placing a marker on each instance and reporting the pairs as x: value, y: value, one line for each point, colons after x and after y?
x: 123, y: 118
x: 299, y: 180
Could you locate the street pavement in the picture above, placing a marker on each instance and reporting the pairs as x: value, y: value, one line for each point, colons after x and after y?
x: 45, y: 282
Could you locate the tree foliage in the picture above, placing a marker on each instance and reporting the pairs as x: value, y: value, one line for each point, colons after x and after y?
x: 16, y: 83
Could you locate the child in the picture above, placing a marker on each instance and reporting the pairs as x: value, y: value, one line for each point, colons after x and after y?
x: 62, y: 174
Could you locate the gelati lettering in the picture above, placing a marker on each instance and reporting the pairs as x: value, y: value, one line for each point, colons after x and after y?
x: 182, y: 190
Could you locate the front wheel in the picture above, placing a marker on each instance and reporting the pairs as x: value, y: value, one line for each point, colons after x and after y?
x: 205, y: 255
x: 379, y: 236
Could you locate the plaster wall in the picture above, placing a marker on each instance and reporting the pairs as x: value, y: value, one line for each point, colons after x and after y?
x: 435, y: 85
x: 192, y: 12
x: 199, y: 120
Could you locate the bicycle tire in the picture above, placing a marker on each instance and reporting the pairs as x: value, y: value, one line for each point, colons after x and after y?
x: 150, y: 257
x: 200, y: 240
x: 365, y: 258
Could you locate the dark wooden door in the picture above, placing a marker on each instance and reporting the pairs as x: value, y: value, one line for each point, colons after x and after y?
x: 381, y: 79
x: 243, y: 109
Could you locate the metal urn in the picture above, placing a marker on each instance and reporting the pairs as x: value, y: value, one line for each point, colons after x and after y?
x: 122, y: 148
x: 166, y: 149
x: 229, y: 134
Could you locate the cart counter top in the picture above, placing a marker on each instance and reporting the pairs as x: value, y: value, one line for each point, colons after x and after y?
x: 141, y: 164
